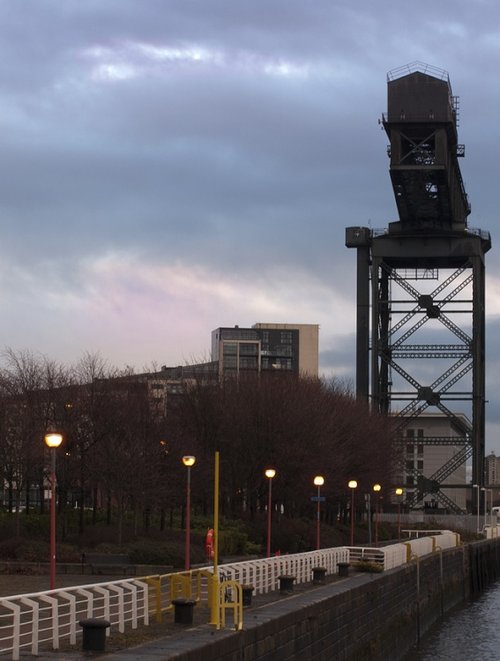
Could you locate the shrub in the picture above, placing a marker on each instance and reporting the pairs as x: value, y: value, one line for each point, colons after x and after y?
x: 143, y: 553
x: 367, y: 566
x: 34, y: 551
x: 253, y: 549
x: 232, y: 541
x: 9, y: 549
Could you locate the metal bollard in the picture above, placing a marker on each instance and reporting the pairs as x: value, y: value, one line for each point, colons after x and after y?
x: 183, y: 610
x: 94, y: 634
x: 286, y: 584
x: 319, y: 574
x: 246, y: 594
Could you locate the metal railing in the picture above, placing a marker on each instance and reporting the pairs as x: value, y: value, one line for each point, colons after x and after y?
x: 30, y: 620
x: 264, y: 574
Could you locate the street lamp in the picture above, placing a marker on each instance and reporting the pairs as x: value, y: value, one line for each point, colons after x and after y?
x: 269, y: 473
x: 399, y: 493
x: 352, y: 484
x: 485, y: 510
x: 377, y: 489
x: 53, y: 440
x: 188, y: 461
x: 476, y: 486
x: 318, y: 481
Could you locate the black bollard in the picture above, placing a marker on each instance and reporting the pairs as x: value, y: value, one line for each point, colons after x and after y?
x: 94, y: 634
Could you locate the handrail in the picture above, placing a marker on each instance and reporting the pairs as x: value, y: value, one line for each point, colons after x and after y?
x: 127, y: 602
x: 28, y: 620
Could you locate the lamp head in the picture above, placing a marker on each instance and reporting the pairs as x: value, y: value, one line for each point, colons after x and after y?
x: 188, y: 460
x: 319, y: 480
x: 53, y: 439
x: 270, y: 473
x: 377, y: 487
x: 399, y: 491
x: 352, y: 484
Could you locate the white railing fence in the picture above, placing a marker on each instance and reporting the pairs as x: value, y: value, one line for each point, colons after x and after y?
x: 30, y: 620
x: 264, y: 574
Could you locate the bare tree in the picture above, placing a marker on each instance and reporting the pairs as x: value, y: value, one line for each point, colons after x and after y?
x: 29, y: 393
x: 299, y: 426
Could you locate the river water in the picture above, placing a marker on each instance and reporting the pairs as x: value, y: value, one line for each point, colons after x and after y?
x: 471, y: 633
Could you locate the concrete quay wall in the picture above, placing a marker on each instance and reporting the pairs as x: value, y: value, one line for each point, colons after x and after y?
x: 364, y: 617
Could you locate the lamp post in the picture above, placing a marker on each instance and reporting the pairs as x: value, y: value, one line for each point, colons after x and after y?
x: 53, y: 440
x: 269, y: 473
x: 319, y: 480
x: 376, y: 488
x: 476, y: 486
x: 485, y: 506
x: 352, y: 484
x: 399, y: 493
x: 188, y: 461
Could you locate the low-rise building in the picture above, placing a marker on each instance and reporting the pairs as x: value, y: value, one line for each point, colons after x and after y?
x: 431, y: 442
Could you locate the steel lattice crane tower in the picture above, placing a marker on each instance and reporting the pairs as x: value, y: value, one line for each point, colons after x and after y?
x: 420, y: 330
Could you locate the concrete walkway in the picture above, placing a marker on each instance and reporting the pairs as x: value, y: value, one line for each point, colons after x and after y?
x: 175, y: 640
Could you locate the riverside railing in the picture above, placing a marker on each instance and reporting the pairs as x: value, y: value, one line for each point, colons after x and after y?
x: 30, y: 620
x: 264, y: 573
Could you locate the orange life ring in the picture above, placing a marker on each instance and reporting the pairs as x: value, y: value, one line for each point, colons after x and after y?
x: 209, y: 544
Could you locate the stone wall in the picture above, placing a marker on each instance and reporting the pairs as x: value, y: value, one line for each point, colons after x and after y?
x: 366, y: 617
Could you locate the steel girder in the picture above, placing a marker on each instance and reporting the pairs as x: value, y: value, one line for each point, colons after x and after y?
x: 402, y: 387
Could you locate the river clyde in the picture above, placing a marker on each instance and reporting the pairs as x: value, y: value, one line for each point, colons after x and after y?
x: 469, y: 633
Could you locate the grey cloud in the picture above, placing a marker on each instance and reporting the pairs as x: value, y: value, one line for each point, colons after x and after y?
x: 217, y: 163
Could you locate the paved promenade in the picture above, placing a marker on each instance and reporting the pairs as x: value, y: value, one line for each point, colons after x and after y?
x: 167, y: 640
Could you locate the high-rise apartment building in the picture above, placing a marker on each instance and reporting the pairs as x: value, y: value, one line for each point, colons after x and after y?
x: 266, y: 348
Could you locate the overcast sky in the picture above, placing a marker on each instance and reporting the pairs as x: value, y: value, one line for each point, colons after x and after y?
x: 170, y: 166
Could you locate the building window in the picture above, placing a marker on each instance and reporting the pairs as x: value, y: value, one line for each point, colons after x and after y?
x: 409, y: 448
x: 420, y: 449
x: 281, y: 364
x: 286, y: 337
x: 248, y: 349
x: 420, y: 465
x: 409, y: 465
x: 249, y: 363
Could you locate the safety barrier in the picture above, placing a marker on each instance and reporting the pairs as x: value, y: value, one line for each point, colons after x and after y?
x: 29, y: 620
x: 491, y: 532
x: 398, y: 554
x: 263, y: 574
x: 164, y: 588
x: 424, y: 545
